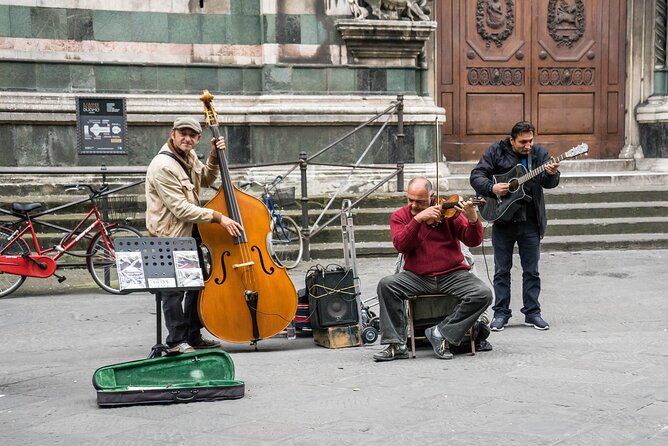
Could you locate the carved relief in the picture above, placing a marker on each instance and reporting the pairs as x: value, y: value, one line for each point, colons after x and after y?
x: 566, y: 76
x: 389, y: 9
x: 493, y: 23
x: 496, y: 76
x: 566, y: 21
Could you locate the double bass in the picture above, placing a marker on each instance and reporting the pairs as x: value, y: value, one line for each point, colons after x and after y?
x: 247, y: 296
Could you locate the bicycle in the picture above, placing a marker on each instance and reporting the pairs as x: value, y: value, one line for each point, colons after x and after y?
x: 18, y: 261
x: 287, y: 245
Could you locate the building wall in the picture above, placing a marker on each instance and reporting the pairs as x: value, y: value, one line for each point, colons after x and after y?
x: 262, y: 59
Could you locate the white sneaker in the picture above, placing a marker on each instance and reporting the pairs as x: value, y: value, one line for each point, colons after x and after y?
x: 183, y: 347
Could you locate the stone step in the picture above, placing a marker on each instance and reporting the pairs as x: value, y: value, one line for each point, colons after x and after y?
x: 548, y: 244
x: 628, y: 225
x: 583, y: 180
x: 568, y: 166
x: 632, y: 195
x: 584, y: 210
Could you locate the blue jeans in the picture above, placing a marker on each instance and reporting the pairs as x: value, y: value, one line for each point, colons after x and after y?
x: 504, y: 237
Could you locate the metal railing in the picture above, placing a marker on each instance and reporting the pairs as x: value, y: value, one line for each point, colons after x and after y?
x: 395, y: 108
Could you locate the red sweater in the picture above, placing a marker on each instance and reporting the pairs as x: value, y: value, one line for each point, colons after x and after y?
x: 433, y: 251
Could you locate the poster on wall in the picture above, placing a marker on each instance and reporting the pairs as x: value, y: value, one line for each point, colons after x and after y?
x: 101, y: 126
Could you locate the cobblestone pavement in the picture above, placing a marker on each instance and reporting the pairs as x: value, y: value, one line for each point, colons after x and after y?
x: 597, y: 377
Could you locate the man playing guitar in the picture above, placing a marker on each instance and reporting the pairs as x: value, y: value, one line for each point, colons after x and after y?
x: 518, y: 212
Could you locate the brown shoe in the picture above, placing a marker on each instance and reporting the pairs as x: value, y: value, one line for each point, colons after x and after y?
x: 204, y: 343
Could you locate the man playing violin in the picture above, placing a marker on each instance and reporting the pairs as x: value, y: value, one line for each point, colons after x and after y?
x: 433, y: 264
x: 524, y: 223
x: 173, y: 182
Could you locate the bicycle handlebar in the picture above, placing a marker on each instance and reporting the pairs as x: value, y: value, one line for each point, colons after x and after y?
x: 93, y: 191
x: 251, y: 182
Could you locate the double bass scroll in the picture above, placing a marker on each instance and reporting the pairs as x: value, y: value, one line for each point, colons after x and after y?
x: 247, y: 296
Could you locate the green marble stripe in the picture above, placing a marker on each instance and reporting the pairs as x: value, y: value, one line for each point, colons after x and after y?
x: 269, y: 79
x: 243, y: 27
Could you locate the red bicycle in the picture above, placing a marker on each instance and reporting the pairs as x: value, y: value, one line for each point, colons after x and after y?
x: 18, y: 261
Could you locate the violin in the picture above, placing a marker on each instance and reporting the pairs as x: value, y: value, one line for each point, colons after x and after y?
x: 448, y: 210
x: 248, y: 296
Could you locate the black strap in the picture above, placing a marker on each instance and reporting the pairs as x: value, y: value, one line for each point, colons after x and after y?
x: 183, y: 166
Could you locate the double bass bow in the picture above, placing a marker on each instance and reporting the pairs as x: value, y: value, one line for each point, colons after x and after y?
x: 247, y: 296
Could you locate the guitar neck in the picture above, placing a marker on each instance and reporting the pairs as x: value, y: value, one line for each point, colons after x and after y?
x: 540, y: 169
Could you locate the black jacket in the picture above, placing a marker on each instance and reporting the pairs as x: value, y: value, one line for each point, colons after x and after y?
x: 499, y: 159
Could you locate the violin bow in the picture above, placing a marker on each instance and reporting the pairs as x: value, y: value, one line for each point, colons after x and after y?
x: 437, y: 149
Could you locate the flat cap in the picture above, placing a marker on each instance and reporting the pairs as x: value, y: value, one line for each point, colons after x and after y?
x: 186, y: 122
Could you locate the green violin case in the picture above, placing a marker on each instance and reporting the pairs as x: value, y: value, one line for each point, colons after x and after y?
x: 204, y: 375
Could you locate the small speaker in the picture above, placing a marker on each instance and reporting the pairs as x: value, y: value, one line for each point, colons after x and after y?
x: 332, y: 299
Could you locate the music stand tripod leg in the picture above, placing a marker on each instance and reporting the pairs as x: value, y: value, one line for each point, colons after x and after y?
x: 159, y: 348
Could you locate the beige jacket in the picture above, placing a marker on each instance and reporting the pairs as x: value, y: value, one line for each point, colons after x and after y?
x: 172, y: 200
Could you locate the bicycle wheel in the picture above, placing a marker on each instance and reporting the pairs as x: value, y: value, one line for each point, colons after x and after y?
x: 101, y: 259
x: 286, y: 241
x: 10, y: 282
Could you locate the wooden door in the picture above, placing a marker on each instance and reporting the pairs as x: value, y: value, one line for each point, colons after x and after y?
x: 556, y: 63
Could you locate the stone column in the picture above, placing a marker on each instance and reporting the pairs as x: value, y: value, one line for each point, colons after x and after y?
x: 639, y: 63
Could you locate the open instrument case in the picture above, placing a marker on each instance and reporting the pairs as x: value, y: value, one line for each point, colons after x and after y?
x: 204, y: 375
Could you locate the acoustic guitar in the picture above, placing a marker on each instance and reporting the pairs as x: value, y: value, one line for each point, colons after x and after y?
x: 494, y: 209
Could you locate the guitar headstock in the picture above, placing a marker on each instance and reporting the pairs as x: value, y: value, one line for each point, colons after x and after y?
x: 578, y: 150
x: 210, y: 114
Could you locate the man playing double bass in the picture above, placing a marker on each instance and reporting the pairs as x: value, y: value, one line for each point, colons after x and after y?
x: 173, y: 182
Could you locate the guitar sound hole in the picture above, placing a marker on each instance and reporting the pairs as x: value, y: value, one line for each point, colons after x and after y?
x: 513, y: 185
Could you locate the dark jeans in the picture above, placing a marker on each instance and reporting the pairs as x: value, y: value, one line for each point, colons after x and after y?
x: 504, y: 237
x: 181, y: 316
x: 474, y: 298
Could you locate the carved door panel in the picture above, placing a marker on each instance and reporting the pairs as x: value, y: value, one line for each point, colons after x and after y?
x: 557, y: 63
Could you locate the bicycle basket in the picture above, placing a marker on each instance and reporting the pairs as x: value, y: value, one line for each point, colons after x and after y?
x: 120, y: 208
x: 285, y: 196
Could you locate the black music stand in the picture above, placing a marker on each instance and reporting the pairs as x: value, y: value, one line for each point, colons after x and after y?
x: 158, y: 264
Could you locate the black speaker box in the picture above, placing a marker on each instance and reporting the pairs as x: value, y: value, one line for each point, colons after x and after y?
x: 332, y: 299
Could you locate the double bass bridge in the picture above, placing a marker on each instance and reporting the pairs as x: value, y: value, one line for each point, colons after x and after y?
x: 242, y: 265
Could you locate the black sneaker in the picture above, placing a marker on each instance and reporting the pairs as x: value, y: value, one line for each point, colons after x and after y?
x: 441, y: 347
x: 498, y: 324
x: 392, y: 352
x: 536, y: 322
x: 483, y: 346
x: 482, y: 332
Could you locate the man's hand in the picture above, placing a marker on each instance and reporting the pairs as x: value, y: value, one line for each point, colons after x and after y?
x: 217, y: 145
x: 234, y: 228
x: 469, y: 211
x: 501, y: 189
x: 552, y: 168
x: 430, y: 215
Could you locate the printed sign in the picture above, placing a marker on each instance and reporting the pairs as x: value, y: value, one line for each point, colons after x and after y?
x: 130, y: 270
x: 188, y: 272
x: 101, y: 126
